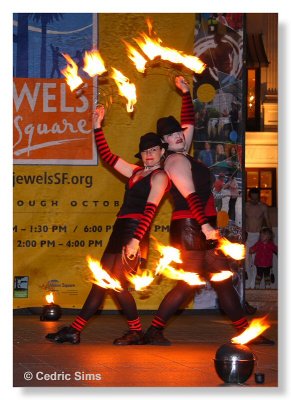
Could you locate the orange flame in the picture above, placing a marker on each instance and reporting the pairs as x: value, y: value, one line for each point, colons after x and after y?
x: 153, y: 48
x: 171, y: 254
x: 138, y: 60
x: 126, y: 89
x: 101, y: 277
x: 141, y: 281
x: 257, y: 326
x: 93, y: 63
x: 71, y: 73
x: 191, y: 278
x: 49, y: 298
x: 221, y: 276
x: 234, y: 250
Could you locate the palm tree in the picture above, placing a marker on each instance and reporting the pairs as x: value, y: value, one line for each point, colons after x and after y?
x: 45, y: 19
x: 22, y: 45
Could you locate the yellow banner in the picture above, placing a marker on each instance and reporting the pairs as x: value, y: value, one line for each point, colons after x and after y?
x: 62, y: 213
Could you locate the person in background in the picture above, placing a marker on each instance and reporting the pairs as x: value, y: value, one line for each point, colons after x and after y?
x: 263, y: 250
x: 207, y: 155
x: 256, y: 215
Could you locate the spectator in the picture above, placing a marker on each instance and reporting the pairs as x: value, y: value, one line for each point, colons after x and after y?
x: 264, y: 249
x: 256, y: 213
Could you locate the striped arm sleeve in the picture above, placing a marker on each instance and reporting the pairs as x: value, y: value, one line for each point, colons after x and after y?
x: 187, y: 110
x: 196, y: 208
x: 103, y: 148
x: 146, y: 220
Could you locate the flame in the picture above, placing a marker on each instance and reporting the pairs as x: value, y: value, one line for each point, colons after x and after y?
x: 49, y: 298
x: 126, y: 89
x: 71, y: 73
x: 101, y: 277
x: 257, y: 326
x: 93, y: 63
x: 141, y: 281
x: 234, y: 250
x: 191, y: 278
x: 168, y: 254
x: 171, y: 254
x: 221, y: 276
x: 138, y: 60
x: 152, y: 48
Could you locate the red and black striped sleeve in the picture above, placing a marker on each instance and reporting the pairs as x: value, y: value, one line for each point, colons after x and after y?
x: 103, y: 148
x: 196, y: 207
x: 187, y: 110
x: 146, y: 220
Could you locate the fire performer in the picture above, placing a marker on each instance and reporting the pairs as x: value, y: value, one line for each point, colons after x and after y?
x: 143, y: 193
x: 193, y: 225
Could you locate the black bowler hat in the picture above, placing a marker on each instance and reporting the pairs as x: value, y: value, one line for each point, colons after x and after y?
x: 168, y: 125
x: 148, y: 141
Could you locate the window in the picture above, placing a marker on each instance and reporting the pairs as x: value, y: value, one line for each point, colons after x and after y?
x: 265, y: 180
x: 253, y: 99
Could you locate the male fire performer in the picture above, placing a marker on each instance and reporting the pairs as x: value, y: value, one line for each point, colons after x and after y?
x: 192, y: 228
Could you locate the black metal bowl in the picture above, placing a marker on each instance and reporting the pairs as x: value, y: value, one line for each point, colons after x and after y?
x: 51, y: 312
x: 234, y: 363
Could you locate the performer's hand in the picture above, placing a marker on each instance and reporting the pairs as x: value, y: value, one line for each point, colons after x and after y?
x: 182, y: 84
x: 98, y: 116
x: 132, y: 248
x: 209, y: 232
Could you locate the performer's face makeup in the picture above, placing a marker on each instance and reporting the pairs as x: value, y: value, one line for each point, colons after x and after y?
x: 152, y: 156
x: 176, y: 141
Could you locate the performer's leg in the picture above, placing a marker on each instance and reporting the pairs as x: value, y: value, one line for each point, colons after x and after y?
x: 94, y: 300
x: 230, y: 304
x: 174, y: 300
x: 128, y: 305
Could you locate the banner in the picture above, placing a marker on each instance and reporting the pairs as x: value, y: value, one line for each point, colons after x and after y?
x: 219, y: 137
x: 65, y: 200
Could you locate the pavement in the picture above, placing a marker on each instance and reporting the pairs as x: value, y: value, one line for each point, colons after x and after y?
x: 95, y: 362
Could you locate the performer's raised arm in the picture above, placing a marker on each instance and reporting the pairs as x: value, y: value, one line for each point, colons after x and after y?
x: 187, y: 111
x: 105, y: 153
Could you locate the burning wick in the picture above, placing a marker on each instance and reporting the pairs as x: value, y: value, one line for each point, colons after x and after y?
x: 257, y: 326
x: 93, y: 63
x: 126, y: 89
x: 71, y: 74
x: 233, y: 250
x: 151, y: 46
x: 51, y: 311
x: 101, y: 277
x: 171, y: 254
x: 141, y: 281
x: 50, y: 298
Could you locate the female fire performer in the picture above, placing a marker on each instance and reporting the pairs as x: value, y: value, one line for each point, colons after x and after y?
x: 143, y: 193
x: 192, y: 228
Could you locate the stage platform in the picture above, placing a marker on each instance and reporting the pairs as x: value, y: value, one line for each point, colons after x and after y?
x: 95, y: 362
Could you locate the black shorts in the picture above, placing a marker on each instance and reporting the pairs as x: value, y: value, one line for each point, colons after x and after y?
x: 186, y: 235
x: 123, y: 230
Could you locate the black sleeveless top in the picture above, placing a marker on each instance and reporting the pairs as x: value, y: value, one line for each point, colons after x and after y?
x: 202, y: 182
x: 136, y: 194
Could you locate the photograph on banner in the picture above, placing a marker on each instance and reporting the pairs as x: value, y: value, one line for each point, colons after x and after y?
x: 218, y: 135
x: 128, y: 191
x: 50, y: 125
